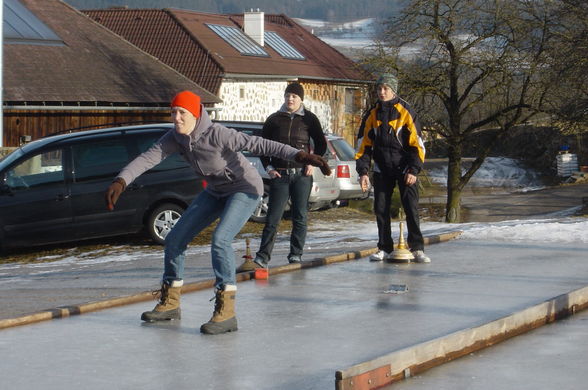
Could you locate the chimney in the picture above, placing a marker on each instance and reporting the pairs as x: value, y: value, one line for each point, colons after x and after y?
x: 253, y: 25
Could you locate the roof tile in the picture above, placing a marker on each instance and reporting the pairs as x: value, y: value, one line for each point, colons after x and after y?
x: 94, y: 65
x: 183, y: 40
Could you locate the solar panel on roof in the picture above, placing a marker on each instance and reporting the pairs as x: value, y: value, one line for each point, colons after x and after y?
x: 237, y: 38
x: 22, y: 26
x: 280, y: 45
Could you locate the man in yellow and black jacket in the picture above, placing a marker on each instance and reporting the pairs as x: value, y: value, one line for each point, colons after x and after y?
x: 391, y: 137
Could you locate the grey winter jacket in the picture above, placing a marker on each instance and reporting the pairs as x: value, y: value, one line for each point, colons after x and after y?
x: 213, y: 151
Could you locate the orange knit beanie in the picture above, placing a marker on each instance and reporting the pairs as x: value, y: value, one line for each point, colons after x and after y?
x: 188, y: 100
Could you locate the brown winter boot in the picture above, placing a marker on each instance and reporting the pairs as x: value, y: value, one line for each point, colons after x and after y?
x: 223, y: 319
x: 168, y: 307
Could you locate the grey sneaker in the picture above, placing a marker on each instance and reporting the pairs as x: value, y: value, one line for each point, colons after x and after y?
x: 260, y: 263
x: 249, y: 265
x: 420, y: 257
x: 294, y: 259
x: 379, y: 256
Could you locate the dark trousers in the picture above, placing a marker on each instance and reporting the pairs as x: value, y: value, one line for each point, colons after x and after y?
x: 295, y: 187
x: 409, y: 196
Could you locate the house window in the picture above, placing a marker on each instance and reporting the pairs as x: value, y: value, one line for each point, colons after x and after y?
x: 238, y: 40
x: 350, y: 106
x: 242, y: 92
x: 21, y: 26
x: 280, y: 45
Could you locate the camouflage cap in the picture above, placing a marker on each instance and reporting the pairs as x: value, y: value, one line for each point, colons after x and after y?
x: 389, y: 79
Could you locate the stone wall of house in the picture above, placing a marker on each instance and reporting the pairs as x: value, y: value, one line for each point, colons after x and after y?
x: 251, y: 101
x: 338, y: 107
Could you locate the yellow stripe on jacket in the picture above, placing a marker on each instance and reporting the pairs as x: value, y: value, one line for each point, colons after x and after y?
x: 405, y: 119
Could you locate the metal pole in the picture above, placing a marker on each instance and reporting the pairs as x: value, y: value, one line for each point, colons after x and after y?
x: 1, y: 75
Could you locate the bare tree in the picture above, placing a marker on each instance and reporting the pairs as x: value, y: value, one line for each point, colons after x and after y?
x: 469, y: 65
x: 570, y: 61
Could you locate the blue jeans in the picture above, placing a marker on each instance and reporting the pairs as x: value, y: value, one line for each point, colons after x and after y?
x: 233, y: 210
x: 296, y: 187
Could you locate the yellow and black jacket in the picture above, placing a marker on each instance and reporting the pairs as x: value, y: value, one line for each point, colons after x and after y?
x: 392, y: 137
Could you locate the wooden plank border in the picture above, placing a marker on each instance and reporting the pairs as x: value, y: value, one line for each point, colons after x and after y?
x: 406, y: 362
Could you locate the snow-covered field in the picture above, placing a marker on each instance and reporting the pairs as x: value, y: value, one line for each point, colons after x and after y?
x: 496, y: 172
x: 358, y: 34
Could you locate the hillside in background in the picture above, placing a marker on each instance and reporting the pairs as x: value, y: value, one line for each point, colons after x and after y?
x: 328, y: 10
x: 352, y: 38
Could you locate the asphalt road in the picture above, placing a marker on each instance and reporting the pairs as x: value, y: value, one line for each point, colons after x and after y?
x: 542, y: 203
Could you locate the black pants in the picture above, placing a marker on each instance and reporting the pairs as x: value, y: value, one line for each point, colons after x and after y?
x: 409, y: 196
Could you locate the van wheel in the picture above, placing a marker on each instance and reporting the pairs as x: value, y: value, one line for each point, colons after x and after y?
x: 260, y: 212
x: 162, y: 220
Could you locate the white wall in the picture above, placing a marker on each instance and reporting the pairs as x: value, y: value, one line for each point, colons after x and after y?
x: 261, y: 99
x: 323, y: 111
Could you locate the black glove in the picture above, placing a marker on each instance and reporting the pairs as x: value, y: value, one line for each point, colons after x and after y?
x: 313, y: 159
x: 114, y: 191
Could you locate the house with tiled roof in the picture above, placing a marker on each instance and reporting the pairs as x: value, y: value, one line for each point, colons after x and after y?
x: 247, y: 60
x: 62, y: 70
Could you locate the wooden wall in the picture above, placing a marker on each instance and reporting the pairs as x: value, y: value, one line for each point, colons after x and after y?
x: 41, y: 123
x: 345, y: 103
x: 338, y: 106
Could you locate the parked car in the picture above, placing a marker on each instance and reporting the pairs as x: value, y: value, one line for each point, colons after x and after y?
x: 325, y: 189
x: 343, y: 156
x: 52, y: 189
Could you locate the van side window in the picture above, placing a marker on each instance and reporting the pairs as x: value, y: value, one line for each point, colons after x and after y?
x: 99, y: 160
x: 40, y: 170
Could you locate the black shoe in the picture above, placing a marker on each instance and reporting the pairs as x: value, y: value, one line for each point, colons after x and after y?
x: 229, y: 325
x: 294, y: 259
x: 153, y: 316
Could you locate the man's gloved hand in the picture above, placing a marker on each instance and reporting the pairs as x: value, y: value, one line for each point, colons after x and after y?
x: 114, y: 191
x: 313, y: 159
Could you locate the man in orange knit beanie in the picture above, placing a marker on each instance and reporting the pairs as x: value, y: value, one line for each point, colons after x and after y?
x: 189, y: 100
